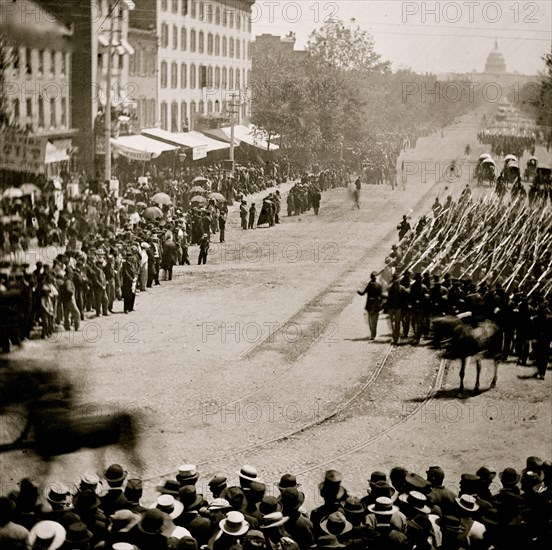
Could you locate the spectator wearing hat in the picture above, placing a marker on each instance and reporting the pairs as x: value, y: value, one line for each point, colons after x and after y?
x: 397, y: 477
x: 133, y: 493
x: 510, y: 480
x: 27, y: 509
x: 336, y: 524
x: 236, y: 497
x: 217, y: 511
x: 439, y: 495
x: 470, y: 484
x: 333, y: 493
x: 122, y: 522
x: 87, y: 506
x: 217, y: 484
x: 187, y: 474
x: 416, y: 503
x: 71, y: 313
x: 148, y: 533
x: 288, y: 481
x: 454, y: 535
x: 254, y: 495
x: 99, y: 287
x: 231, y: 531
x: 466, y: 510
x: 59, y: 501
x: 327, y: 541
x: 129, y: 281
x: 203, y: 249
x: 46, y: 535
x: 486, y: 476
x: 270, y: 504
x: 114, y: 499
x: 298, y: 526
x: 12, y: 535
x: 190, y: 518
x: 246, y: 475
x: 385, y: 516
x: 169, y: 258
x: 78, y: 537
x: 419, y: 533
x: 272, y: 525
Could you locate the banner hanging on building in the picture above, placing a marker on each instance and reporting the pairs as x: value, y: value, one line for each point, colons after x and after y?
x: 20, y: 152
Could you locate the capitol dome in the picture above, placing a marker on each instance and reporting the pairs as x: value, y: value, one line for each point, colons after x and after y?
x: 495, y: 62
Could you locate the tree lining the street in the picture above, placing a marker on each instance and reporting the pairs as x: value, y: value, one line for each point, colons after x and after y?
x: 339, y: 99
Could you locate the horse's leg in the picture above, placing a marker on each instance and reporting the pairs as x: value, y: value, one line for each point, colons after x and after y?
x: 462, y: 373
x: 495, y: 375
x: 478, y: 369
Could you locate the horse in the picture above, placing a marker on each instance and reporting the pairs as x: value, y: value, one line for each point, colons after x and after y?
x: 50, y: 422
x: 462, y: 337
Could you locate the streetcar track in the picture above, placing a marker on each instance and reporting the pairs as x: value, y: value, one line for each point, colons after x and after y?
x: 373, y: 377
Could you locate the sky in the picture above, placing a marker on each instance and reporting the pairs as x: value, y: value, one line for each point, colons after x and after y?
x: 437, y: 37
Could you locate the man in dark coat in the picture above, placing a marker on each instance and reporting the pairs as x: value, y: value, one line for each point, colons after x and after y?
x: 396, y: 297
x: 316, y: 197
x: 130, y: 278
x: 243, y: 214
x: 170, y: 258
x: 203, y: 249
x: 373, y: 292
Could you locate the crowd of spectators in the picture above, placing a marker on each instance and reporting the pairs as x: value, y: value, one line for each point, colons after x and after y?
x: 401, y: 509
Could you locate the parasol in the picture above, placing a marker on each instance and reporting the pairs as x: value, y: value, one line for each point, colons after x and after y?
x: 141, y: 205
x: 152, y: 213
x: 133, y: 191
x: 12, y: 193
x: 30, y: 188
x: 198, y: 198
x: 197, y: 189
x: 161, y: 198
x: 128, y: 202
x: 218, y: 197
x: 95, y: 198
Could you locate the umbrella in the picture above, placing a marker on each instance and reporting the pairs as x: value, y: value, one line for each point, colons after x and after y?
x: 201, y: 180
x: 197, y: 189
x: 484, y: 156
x: 510, y: 157
x: 198, y: 198
x: 95, y: 198
x: 141, y: 205
x: 152, y: 213
x: 30, y: 188
x: 12, y: 193
x: 161, y: 198
x: 218, y: 197
x: 132, y: 191
x: 128, y: 202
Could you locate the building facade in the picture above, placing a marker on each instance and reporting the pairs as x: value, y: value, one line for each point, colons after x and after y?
x: 203, y: 59
x: 100, y: 27
x: 142, y: 76
x: 38, y: 78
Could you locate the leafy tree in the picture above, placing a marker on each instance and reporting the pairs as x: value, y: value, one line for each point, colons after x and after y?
x: 339, y: 46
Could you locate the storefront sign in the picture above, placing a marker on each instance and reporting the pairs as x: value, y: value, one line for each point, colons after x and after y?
x: 21, y: 153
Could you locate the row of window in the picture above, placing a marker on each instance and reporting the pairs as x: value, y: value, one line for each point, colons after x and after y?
x: 40, y: 110
x: 181, y: 123
x: 142, y: 63
x: 209, y: 12
x: 230, y: 47
x: 39, y: 62
x: 203, y: 77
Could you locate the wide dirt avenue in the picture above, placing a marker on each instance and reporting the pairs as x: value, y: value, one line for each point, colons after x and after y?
x: 261, y: 357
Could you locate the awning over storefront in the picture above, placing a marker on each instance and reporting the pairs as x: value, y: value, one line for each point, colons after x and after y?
x: 140, y: 147
x: 212, y: 144
x: 194, y: 141
x: 246, y: 134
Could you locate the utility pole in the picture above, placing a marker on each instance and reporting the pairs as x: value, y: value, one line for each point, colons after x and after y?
x: 234, y: 109
x: 107, y: 117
